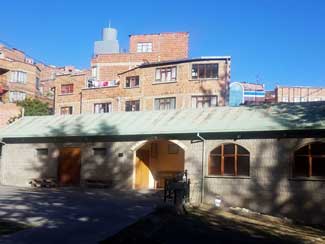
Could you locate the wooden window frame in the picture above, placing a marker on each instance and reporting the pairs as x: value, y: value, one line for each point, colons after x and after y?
x: 166, y: 70
x: 222, y: 155
x: 132, y: 80
x: 165, y: 101
x: 205, y: 76
x: 132, y: 103
x: 108, y: 106
x: 66, y: 107
x: 310, y: 157
x: 205, y: 98
x: 67, y: 89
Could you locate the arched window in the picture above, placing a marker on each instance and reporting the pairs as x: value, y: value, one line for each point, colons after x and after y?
x: 309, y: 160
x: 229, y: 159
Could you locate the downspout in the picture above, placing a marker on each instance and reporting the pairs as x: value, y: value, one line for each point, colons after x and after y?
x: 54, y: 93
x: 80, y: 103
x: 202, y: 169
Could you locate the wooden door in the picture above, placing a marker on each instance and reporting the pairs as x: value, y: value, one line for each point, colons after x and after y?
x: 69, y: 166
x: 142, y: 169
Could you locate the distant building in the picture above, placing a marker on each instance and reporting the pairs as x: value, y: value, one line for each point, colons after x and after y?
x: 167, y: 85
x: 297, y: 94
x: 154, y: 74
x: 246, y: 93
x: 270, y: 96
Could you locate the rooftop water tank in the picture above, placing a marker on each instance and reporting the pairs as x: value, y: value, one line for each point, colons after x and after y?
x: 236, y: 94
x: 109, y: 43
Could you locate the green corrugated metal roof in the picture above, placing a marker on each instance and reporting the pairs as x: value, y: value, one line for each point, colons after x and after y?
x: 217, y: 120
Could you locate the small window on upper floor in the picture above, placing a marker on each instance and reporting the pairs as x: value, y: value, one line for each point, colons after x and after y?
x: 94, y: 72
x: 132, y: 105
x: 165, y: 103
x: 132, y: 82
x: 144, y: 47
x: 100, y: 108
x: 66, y: 89
x: 66, y: 110
x: 309, y: 161
x: 204, y: 101
x: 18, y: 77
x: 16, y: 96
x: 205, y: 71
x: 166, y: 74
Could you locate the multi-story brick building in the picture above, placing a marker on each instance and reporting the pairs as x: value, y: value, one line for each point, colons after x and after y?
x: 107, y: 64
x: 155, y: 70
x: 19, y: 76
x: 299, y: 94
x: 178, y: 84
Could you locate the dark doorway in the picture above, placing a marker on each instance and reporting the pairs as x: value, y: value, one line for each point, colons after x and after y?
x: 69, y: 166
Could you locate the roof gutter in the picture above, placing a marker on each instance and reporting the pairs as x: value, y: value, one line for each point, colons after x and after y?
x: 202, y: 165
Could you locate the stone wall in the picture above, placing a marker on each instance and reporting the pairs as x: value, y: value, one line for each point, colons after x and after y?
x: 269, y: 188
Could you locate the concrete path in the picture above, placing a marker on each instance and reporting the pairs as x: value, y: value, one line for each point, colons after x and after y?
x: 71, y: 215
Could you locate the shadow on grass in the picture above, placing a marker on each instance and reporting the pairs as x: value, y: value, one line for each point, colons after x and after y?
x: 9, y: 227
x: 210, y: 226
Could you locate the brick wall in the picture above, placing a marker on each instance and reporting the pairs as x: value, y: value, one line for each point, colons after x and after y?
x: 8, y: 111
x: 166, y: 46
x: 299, y: 94
x: 182, y: 89
x: 32, y: 72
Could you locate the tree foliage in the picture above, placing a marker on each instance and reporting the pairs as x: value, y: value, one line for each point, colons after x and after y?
x: 34, y: 107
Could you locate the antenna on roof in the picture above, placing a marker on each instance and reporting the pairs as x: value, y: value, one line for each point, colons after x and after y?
x: 109, y: 24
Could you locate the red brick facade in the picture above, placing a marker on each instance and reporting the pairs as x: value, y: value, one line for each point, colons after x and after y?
x: 165, y: 46
x: 184, y: 88
x: 299, y: 94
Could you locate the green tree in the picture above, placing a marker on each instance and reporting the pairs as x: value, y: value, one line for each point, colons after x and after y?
x: 34, y: 107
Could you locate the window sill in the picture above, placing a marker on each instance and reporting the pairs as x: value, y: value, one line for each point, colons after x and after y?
x: 132, y: 87
x: 307, y: 179
x: 227, y: 177
x: 204, y: 79
x: 163, y: 82
x: 95, y: 88
x: 66, y: 94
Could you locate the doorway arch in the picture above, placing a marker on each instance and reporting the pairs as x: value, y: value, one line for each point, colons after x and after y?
x: 156, y: 160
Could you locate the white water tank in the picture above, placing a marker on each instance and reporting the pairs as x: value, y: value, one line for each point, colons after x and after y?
x: 109, y: 43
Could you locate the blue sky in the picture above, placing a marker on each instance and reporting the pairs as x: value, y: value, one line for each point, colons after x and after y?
x: 278, y: 42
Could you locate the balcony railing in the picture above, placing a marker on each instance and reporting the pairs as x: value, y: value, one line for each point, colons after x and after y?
x: 93, y: 83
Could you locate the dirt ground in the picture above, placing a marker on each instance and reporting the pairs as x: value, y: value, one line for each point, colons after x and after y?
x: 9, y: 227
x: 205, y: 225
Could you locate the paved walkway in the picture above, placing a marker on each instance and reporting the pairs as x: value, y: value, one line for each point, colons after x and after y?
x: 71, y: 215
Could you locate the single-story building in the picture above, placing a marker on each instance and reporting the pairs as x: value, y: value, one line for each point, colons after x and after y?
x: 268, y: 158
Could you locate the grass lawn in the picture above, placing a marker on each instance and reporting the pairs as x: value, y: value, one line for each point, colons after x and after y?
x: 8, y: 227
x: 204, y: 225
